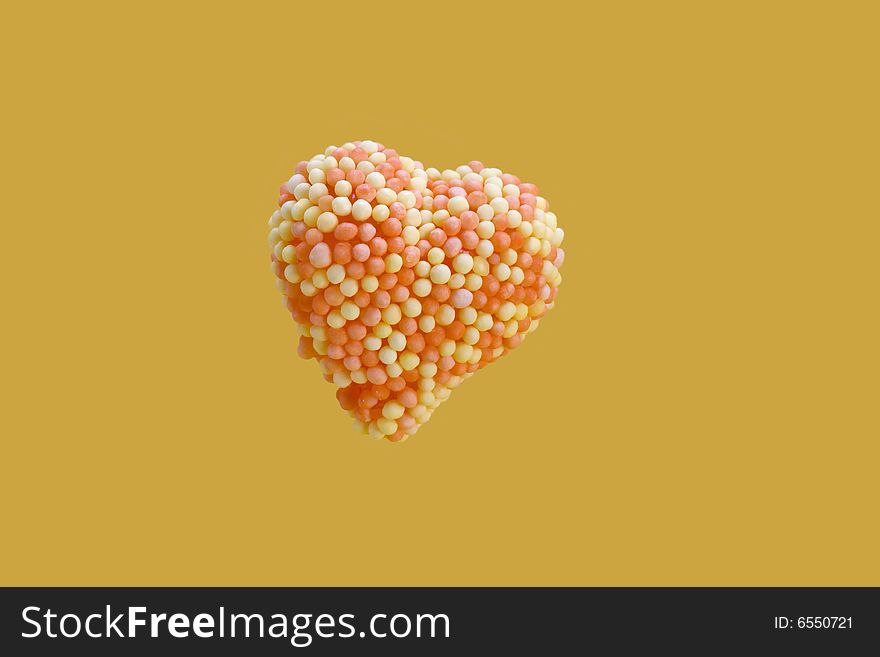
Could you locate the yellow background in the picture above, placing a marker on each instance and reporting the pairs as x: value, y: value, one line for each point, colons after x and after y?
x: 700, y: 408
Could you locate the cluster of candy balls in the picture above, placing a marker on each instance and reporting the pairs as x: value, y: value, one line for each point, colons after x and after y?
x: 405, y: 280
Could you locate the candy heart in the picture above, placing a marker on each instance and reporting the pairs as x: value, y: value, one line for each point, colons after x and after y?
x: 404, y: 280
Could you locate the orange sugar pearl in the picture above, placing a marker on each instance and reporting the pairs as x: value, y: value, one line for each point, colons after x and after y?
x: 437, y: 237
x: 469, y: 240
x: 415, y: 342
x: 381, y: 299
x: 362, y: 298
x: 517, y: 240
x: 407, y: 326
x: 387, y: 281
x: 399, y: 293
x: 391, y: 227
x: 452, y: 226
x: 406, y: 276
x: 455, y: 330
x: 397, y: 211
x: 452, y: 247
x: 305, y: 348
x: 377, y: 376
x: 408, y: 397
x: 406, y: 423
x: 303, y: 306
x: 356, y: 331
x: 367, y: 399
x: 365, y: 192
x: 440, y: 293
x: 360, y: 252
x: 492, y: 305
x: 501, y: 223
x: 348, y: 398
x: 345, y: 231
x: 342, y: 253
x: 381, y: 391
x: 320, y: 256
x: 469, y: 220
x: 473, y: 185
x: 436, y: 337
x: 325, y: 203
x: 411, y: 256
x: 333, y: 296
x: 355, y: 270
x: 355, y: 178
x: 301, y: 252
x: 320, y: 306
x: 371, y: 316
x: 527, y: 199
x: 375, y: 266
x: 396, y: 384
x: 397, y: 436
x: 501, y: 241
x: 298, y: 230
x: 429, y: 306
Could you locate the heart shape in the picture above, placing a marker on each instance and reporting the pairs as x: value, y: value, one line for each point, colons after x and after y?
x: 404, y: 280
